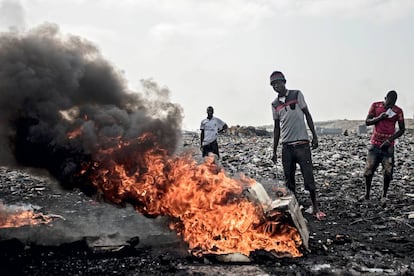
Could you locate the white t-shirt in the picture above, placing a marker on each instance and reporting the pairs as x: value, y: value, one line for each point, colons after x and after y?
x: 211, y: 128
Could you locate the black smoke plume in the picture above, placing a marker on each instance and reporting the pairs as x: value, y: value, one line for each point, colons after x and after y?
x: 61, y: 101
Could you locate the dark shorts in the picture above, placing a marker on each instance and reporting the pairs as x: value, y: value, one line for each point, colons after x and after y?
x: 212, y: 147
x: 298, y: 154
x: 376, y: 156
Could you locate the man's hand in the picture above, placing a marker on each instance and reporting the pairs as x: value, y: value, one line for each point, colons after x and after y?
x: 315, y: 143
x: 274, y: 158
x: 383, y: 115
x: 385, y: 144
x: 371, y: 120
x: 224, y: 129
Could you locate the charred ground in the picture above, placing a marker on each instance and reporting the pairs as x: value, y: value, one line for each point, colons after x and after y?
x: 357, y: 238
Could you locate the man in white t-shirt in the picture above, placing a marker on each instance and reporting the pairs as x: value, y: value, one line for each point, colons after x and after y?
x: 210, y: 127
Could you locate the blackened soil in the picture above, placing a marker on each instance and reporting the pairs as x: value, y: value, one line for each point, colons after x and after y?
x: 356, y: 238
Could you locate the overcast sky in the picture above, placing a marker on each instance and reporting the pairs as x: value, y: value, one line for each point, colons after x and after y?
x: 342, y: 55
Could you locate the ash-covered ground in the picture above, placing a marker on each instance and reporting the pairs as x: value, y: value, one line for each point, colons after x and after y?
x: 88, y: 237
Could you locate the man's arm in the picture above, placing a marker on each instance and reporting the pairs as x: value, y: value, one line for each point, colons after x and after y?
x: 276, y: 137
x: 311, y: 126
x: 371, y: 120
x: 401, y: 130
x: 225, y: 126
x: 201, y: 138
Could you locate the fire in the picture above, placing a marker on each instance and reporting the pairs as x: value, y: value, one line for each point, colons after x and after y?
x: 70, y: 115
x: 208, y: 208
x: 13, y: 216
x: 75, y: 133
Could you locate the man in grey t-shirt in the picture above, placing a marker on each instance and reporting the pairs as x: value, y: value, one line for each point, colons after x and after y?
x: 289, y: 110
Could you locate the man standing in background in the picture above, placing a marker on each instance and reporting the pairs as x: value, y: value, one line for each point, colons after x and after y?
x: 383, y: 115
x: 210, y: 127
x: 289, y: 110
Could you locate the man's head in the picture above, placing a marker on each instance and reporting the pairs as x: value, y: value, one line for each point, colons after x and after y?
x: 210, y: 111
x: 390, y: 99
x: 278, y: 82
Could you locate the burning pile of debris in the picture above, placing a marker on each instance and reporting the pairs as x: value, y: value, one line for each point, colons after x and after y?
x: 79, y: 213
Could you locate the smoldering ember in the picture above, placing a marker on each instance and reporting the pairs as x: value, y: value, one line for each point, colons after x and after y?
x: 97, y: 179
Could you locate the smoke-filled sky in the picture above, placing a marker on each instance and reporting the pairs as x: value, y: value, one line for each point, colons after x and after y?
x: 343, y: 55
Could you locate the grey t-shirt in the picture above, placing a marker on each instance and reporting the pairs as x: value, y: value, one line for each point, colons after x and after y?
x: 288, y: 110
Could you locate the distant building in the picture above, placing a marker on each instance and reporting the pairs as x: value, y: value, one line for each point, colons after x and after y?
x: 328, y: 131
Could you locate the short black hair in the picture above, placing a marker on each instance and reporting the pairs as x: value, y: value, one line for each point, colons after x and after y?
x: 276, y: 73
x: 392, y: 94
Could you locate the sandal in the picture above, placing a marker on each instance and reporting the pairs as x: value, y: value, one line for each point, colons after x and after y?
x: 319, y: 215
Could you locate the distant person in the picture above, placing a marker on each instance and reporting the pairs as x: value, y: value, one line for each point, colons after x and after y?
x: 210, y: 127
x: 383, y: 115
x: 289, y: 110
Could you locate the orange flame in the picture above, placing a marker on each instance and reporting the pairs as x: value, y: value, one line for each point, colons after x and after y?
x: 209, y: 209
x: 20, y: 217
x: 74, y: 133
